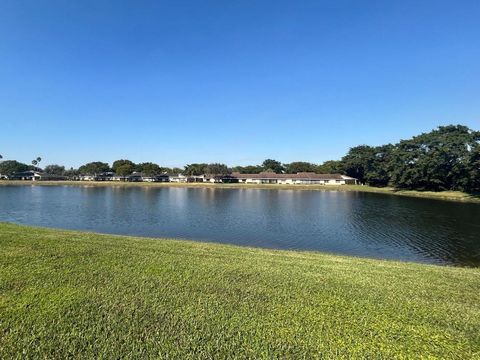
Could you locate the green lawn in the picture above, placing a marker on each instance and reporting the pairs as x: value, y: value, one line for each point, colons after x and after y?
x: 69, y: 294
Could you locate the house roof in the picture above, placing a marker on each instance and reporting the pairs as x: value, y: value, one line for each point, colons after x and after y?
x: 154, y: 176
x: 27, y: 173
x: 298, y: 176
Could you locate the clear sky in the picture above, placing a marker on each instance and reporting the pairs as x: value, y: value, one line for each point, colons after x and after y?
x: 177, y: 82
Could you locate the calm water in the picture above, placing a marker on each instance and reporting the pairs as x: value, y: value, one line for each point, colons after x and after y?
x: 371, y: 225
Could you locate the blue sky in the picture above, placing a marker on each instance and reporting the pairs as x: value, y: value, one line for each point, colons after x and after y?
x: 177, y: 82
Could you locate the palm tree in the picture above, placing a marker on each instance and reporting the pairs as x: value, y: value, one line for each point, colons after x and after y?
x: 36, y: 162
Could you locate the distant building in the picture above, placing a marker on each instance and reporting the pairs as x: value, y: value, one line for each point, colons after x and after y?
x: 116, y: 177
x: 156, y: 178
x: 85, y: 177
x: 218, y: 178
x: 305, y: 178
x: 179, y: 178
x: 26, y: 175
x: 33, y: 175
x: 105, y: 176
x: 135, y: 177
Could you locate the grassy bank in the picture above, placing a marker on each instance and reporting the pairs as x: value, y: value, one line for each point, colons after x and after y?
x: 443, y: 195
x: 71, y: 294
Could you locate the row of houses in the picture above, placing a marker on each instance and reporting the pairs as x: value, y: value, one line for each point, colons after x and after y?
x: 32, y: 176
x: 304, y: 178
x: 134, y: 177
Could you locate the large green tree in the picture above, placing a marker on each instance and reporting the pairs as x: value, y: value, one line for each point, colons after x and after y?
x: 439, y: 160
x: 125, y: 169
x: 330, y: 167
x: 472, y: 183
x: 369, y: 164
x: 273, y: 166
x: 195, y: 169
x: 358, y: 161
x: 149, y: 168
x: 300, y: 166
x: 54, y: 169
x: 217, y: 169
x: 92, y: 168
x: 9, y: 167
x: 71, y: 172
x: 379, y: 169
x: 248, y: 169
x: 172, y: 171
x: 121, y: 162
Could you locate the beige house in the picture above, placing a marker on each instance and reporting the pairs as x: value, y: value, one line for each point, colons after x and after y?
x: 306, y: 178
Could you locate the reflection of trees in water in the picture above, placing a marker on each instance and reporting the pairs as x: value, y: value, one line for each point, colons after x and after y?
x: 351, y: 223
x: 437, y: 231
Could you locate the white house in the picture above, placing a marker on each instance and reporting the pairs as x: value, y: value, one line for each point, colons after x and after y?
x: 155, y: 178
x: 27, y: 175
x: 86, y: 177
x: 180, y: 178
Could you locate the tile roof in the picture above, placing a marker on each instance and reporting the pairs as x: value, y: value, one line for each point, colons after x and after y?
x: 298, y: 176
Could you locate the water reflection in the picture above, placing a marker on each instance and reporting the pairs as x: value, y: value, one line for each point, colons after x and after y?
x: 350, y: 223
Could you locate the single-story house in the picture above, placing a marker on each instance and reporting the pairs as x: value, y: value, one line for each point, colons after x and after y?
x: 156, y: 178
x: 105, y: 176
x: 218, y: 178
x: 86, y: 177
x: 116, y: 177
x: 196, y: 178
x: 26, y: 175
x: 305, y: 178
x: 135, y: 177
x: 179, y: 178
x: 33, y: 175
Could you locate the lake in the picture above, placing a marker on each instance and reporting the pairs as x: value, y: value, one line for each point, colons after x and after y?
x: 350, y: 223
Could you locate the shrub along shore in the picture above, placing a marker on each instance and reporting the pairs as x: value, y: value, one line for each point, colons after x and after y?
x: 84, y: 295
x: 438, y: 195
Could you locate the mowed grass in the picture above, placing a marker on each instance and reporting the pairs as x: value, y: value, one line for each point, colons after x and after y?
x: 67, y: 294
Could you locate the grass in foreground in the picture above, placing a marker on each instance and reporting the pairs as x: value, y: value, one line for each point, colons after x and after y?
x: 71, y: 294
x: 440, y: 195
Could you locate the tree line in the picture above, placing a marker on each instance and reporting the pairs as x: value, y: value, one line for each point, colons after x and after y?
x: 447, y: 158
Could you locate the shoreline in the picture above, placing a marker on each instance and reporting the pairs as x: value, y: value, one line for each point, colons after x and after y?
x: 286, y: 251
x: 187, y: 299
x: 455, y: 196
